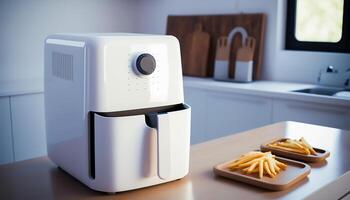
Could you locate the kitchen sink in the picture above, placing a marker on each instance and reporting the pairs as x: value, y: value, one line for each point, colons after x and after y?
x: 320, y: 91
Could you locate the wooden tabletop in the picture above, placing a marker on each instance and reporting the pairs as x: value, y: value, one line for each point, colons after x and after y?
x: 39, y: 178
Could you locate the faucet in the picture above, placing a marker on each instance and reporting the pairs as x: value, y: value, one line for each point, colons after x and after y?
x: 331, y: 69
x: 334, y: 76
x: 346, y: 84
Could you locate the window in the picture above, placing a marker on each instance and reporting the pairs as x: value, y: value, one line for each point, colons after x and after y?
x: 319, y: 21
x: 318, y: 25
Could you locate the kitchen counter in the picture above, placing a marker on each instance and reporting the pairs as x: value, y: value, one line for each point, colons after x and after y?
x: 39, y: 178
x: 19, y: 87
x: 258, y: 88
x: 273, y: 89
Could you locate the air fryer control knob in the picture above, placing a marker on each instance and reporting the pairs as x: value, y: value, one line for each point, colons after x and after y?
x: 145, y: 64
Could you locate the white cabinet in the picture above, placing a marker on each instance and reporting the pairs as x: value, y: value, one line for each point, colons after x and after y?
x: 28, y: 126
x: 217, y: 114
x: 6, y: 148
x: 197, y: 99
x: 220, y: 113
x: 232, y: 113
x: 314, y: 113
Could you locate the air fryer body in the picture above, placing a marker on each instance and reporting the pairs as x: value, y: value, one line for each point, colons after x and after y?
x: 108, y: 124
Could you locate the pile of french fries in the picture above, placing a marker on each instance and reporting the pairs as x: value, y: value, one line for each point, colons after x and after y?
x: 258, y: 162
x: 296, y: 146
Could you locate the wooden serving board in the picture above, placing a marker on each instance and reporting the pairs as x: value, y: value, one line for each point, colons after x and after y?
x: 217, y: 26
x: 321, y: 153
x: 195, y: 52
x: 295, y: 172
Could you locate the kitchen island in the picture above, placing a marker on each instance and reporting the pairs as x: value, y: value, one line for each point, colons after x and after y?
x: 39, y: 178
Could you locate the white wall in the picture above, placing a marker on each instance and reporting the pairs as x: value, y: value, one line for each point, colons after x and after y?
x: 25, y: 24
x: 279, y: 64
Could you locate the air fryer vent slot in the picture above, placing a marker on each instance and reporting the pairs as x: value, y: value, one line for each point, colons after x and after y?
x: 62, y: 66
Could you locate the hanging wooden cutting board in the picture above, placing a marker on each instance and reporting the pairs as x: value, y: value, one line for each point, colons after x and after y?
x: 195, y: 52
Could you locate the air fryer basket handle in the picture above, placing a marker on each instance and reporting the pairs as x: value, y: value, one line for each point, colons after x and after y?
x: 163, y: 146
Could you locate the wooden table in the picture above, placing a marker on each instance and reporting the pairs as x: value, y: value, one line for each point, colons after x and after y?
x: 39, y: 178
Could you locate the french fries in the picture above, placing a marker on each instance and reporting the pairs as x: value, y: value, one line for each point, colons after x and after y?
x: 258, y: 162
x: 296, y: 146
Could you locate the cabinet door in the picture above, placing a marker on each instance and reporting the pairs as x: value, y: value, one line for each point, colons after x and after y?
x: 233, y: 113
x: 313, y: 113
x: 28, y: 126
x: 196, y: 98
x: 6, y: 149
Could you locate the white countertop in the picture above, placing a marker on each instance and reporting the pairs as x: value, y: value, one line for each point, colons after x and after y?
x: 20, y: 87
x: 272, y: 89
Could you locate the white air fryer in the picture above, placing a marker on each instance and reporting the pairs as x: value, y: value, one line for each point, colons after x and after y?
x: 115, y: 113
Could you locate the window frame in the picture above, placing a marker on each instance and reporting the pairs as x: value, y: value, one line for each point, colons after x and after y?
x: 292, y: 43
